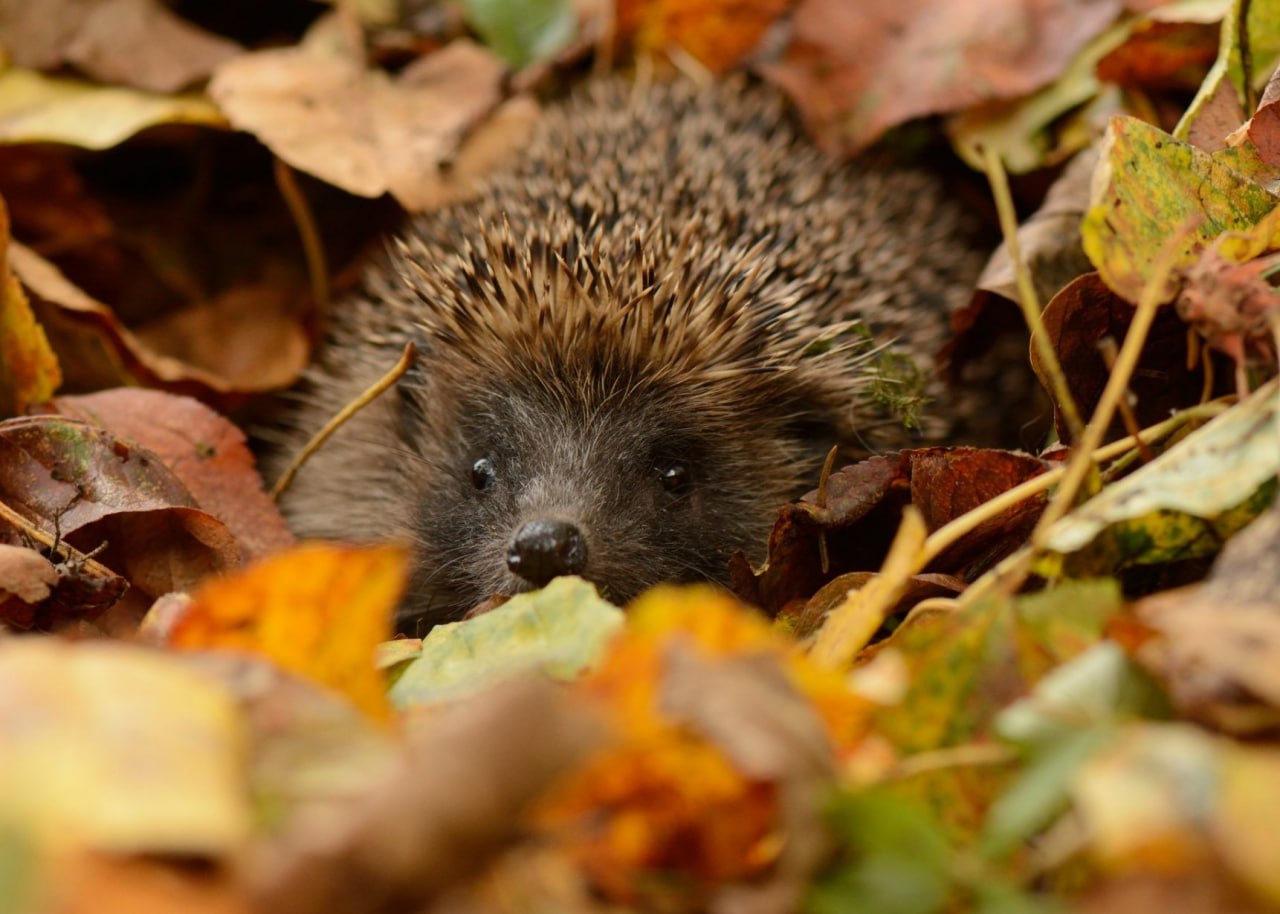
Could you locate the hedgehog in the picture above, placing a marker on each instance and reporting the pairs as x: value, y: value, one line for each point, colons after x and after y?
x: 635, y: 345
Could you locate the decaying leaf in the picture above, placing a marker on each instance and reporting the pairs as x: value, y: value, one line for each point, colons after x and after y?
x: 203, y: 450
x: 1150, y: 186
x: 97, y: 490
x: 1217, y: 644
x: 1183, y: 504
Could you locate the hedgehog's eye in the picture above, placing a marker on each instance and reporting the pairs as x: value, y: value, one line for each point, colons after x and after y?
x: 673, y: 477
x: 482, y: 473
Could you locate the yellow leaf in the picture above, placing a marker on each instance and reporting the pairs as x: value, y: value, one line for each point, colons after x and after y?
x: 318, y: 610
x: 36, y: 108
x: 117, y: 748
x: 29, y: 372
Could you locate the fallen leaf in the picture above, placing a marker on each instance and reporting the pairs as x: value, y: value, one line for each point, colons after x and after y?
x: 317, y: 610
x: 1162, y: 54
x: 718, y: 34
x: 249, y: 337
x: 1183, y: 504
x: 91, y: 487
x: 204, y: 451
x: 863, y: 502
x: 560, y: 630
x: 118, y: 748
x: 98, y: 351
x: 1173, y: 798
x: 1217, y: 644
x: 359, y: 129
x: 458, y: 797
x: 137, y: 43
x: 1150, y: 185
x: 855, y: 71
x: 29, y: 372
x: 523, y: 31
x: 1087, y: 312
x: 41, y: 109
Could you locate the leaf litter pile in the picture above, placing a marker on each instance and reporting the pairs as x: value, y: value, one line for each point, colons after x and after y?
x: 983, y: 680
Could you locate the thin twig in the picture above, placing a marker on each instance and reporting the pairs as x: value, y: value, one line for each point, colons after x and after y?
x: 824, y: 555
x: 1107, y: 349
x: 359, y: 403
x: 56, y: 544
x: 1027, y: 293
x: 312, y: 247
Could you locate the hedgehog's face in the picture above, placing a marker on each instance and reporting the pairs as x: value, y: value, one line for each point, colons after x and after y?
x: 625, y: 490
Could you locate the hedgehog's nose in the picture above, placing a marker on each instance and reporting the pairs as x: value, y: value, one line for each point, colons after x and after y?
x: 544, y: 549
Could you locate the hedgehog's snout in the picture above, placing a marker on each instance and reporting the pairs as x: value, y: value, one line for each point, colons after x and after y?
x: 545, y: 549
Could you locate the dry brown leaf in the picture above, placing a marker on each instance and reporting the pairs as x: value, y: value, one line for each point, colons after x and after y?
x: 455, y: 803
x: 325, y: 113
x: 138, y: 43
x: 857, y: 69
x: 99, y: 351
x: 204, y: 451
x: 1218, y: 643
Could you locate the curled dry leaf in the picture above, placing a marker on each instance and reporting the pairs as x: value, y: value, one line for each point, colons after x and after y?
x: 99, y: 351
x: 203, y: 450
x: 863, y: 502
x: 94, y: 488
x: 1087, y: 312
x: 856, y: 70
x: 323, y: 112
x: 137, y: 43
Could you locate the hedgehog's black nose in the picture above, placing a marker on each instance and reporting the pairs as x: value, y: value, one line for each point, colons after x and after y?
x: 543, y: 549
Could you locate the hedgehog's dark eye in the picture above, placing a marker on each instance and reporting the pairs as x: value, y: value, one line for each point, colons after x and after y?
x: 482, y: 473
x: 674, y: 478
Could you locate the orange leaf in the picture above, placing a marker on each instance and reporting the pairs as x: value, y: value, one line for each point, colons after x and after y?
x: 318, y: 610
x: 717, y: 33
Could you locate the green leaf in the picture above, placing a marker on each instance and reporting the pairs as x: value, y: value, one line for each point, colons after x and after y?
x: 894, y: 858
x: 561, y: 630
x: 522, y: 31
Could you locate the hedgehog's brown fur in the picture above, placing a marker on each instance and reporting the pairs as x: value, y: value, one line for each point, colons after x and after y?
x: 667, y: 275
